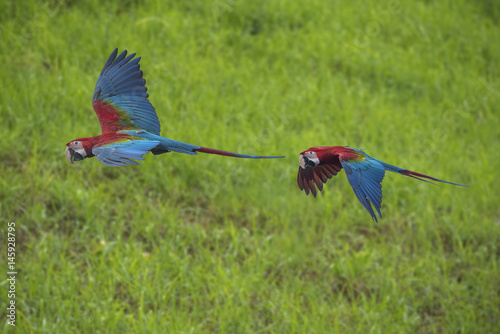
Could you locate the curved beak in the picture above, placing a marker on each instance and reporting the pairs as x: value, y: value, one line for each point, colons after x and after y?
x: 305, y: 162
x: 69, y: 154
x: 72, y: 155
x: 302, y: 162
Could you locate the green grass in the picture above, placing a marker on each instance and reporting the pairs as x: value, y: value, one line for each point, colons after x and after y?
x: 208, y: 244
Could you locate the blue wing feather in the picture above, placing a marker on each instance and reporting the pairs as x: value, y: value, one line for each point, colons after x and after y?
x: 121, y: 153
x: 365, y: 177
x: 121, y: 85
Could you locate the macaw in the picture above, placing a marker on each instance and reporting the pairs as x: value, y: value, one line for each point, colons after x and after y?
x: 129, y: 124
x: 364, y: 173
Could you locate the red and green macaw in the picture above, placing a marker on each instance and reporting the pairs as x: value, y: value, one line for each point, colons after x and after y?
x: 364, y: 173
x: 130, y: 126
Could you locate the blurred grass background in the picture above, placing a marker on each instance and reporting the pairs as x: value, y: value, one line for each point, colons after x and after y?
x: 208, y: 244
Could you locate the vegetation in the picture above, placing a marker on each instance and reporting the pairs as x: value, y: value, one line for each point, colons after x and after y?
x: 209, y: 244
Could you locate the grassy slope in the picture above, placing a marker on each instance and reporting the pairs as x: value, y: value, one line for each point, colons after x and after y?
x: 212, y: 244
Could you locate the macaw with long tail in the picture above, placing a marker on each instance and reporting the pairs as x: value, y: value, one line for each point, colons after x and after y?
x: 130, y: 126
x: 364, y: 173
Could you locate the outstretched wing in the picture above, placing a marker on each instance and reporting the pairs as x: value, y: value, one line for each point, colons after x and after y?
x: 121, y: 153
x: 306, y: 178
x: 365, y: 176
x: 120, y: 99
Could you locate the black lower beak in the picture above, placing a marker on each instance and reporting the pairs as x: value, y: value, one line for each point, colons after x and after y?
x: 309, y: 163
x: 75, y: 156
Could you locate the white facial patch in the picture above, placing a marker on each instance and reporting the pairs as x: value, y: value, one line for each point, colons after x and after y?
x: 77, y: 146
x: 315, y: 160
x: 82, y: 152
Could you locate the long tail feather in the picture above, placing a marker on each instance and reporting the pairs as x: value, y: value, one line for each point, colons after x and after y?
x: 170, y: 145
x: 416, y: 175
x: 234, y: 155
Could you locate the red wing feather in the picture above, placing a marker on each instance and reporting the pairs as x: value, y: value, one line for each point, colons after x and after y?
x: 317, y: 180
x: 299, y: 179
x: 305, y: 181
x: 310, y: 181
x: 322, y: 174
x: 318, y: 175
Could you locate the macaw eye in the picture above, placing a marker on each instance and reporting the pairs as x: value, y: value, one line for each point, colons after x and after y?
x: 76, y: 143
x: 310, y: 152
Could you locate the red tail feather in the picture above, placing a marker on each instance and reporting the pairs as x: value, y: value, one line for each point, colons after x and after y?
x: 234, y: 155
x: 419, y: 176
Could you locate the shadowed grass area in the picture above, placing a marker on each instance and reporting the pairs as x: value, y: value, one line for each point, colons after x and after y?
x: 209, y: 244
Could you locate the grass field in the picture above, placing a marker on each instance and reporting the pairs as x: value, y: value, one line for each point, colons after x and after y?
x: 209, y: 244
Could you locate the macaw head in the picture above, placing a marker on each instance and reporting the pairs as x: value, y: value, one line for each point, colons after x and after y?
x: 315, y: 156
x: 308, y: 159
x: 78, y: 149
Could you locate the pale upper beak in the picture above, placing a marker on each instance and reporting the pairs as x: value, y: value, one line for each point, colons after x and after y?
x: 69, y: 155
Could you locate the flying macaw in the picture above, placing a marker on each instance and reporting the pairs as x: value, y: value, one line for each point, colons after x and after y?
x: 364, y: 173
x: 130, y: 126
